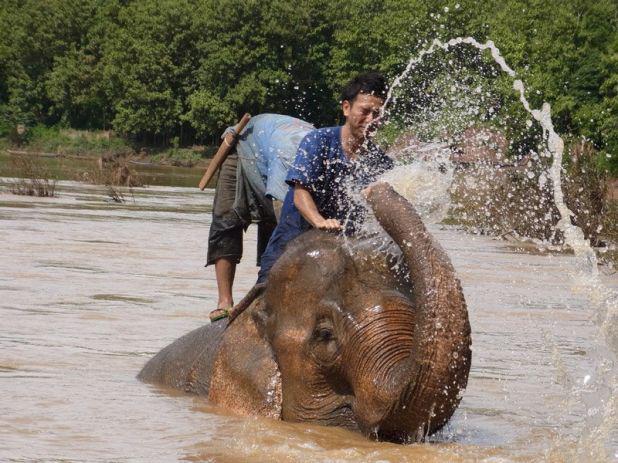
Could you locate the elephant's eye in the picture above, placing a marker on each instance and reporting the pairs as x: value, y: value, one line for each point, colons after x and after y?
x: 323, y: 334
x: 323, y: 346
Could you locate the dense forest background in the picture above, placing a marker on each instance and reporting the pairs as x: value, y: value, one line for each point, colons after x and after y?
x: 180, y: 70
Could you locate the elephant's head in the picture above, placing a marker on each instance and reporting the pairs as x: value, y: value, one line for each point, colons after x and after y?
x: 346, y: 335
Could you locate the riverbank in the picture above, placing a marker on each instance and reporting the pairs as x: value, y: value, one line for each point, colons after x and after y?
x: 87, y: 168
x: 104, y: 144
x: 99, y: 157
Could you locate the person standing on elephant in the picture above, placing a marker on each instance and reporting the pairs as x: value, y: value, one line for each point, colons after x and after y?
x: 250, y: 188
x: 332, y: 165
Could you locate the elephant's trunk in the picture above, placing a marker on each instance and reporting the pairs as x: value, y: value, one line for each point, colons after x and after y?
x: 440, y: 360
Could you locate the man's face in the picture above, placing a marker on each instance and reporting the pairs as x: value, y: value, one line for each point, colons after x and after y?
x: 362, y: 115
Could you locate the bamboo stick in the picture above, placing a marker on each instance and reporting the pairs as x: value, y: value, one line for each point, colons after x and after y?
x: 224, y: 149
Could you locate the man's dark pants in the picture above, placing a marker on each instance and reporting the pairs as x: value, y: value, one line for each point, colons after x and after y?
x: 227, y: 227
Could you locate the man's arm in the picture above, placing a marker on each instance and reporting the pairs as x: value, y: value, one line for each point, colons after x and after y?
x: 306, y: 206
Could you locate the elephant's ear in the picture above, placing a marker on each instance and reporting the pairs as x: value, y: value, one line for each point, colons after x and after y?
x: 246, y: 378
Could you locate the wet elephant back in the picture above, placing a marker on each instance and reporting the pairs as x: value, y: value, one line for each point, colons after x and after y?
x: 187, y: 363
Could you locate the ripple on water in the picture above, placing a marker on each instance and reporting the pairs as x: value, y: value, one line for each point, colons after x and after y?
x: 86, y: 301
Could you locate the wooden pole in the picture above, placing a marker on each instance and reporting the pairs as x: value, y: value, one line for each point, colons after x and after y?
x: 224, y: 149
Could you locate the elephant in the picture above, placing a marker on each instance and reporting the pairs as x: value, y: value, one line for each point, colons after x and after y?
x: 342, y: 334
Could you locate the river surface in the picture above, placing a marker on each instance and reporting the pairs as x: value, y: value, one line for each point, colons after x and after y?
x: 90, y: 290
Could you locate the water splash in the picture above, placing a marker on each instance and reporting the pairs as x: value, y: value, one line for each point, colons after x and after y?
x: 437, y: 44
x: 426, y: 181
x: 585, y: 275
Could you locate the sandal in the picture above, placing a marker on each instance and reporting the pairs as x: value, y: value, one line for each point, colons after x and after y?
x: 219, y: 314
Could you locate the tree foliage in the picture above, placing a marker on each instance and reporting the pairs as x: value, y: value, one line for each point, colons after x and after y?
x: 161, y: 69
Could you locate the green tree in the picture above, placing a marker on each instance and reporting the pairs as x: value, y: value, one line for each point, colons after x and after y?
x: 160, y: 69
x: 146, y: 65
x: 266, y: 56
x: 40, y: 33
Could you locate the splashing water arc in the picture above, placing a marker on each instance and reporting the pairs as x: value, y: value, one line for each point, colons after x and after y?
x: 585, y: 275
x: 574, y: 236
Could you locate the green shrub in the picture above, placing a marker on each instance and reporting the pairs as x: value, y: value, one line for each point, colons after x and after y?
x: 74, y: 142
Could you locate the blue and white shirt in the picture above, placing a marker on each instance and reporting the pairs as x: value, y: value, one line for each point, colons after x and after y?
x: 266, y: 149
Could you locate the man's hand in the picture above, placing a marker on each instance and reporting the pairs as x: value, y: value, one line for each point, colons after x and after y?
x: 328, y: 224
x: 307, y: 208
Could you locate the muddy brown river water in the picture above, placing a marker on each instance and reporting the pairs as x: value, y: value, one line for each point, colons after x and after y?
x: 89, y: 290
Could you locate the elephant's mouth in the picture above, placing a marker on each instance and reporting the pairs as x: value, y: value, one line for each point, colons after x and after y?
x: 375, y: 428
x: 381, y: 416
x: 393, y: 425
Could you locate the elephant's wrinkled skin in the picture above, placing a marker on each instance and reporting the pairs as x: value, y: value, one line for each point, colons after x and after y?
x: 339, y: 336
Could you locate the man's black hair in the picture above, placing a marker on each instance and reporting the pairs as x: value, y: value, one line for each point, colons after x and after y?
x: 369, y: 83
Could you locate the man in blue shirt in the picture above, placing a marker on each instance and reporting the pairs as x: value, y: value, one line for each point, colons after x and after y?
x: 332, y: 165
x: 251, y: 183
